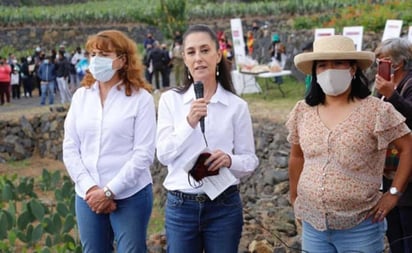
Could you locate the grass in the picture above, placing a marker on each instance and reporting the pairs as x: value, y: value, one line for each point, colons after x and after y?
x: 273, y: 105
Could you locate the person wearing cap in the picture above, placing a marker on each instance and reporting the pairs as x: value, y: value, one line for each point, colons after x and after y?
x: 398, y: 92
x: 338, y: 136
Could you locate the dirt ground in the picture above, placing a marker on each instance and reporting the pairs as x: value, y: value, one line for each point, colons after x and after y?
x: 31, y: 167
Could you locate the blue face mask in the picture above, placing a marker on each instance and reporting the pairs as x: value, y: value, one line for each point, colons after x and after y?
x: 102, y: 68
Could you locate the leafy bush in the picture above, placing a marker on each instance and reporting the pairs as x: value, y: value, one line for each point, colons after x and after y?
x: 39, y: 222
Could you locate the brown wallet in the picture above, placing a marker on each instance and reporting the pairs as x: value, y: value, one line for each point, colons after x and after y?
x: 199, y: 169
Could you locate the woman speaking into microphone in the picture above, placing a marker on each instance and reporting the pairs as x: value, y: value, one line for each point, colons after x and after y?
x: 195, y: 222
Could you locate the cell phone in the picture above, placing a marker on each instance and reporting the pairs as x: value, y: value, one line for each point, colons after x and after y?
x: 384, y: 69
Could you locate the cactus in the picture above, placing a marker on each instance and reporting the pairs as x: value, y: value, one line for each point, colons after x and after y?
x: 38, y: 226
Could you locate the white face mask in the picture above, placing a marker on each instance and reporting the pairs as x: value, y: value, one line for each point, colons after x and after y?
x: 102, y: 68
x: 334, y: 81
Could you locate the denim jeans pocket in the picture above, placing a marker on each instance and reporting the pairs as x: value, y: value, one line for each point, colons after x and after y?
x: 173, y: 201
x: 230, y: 200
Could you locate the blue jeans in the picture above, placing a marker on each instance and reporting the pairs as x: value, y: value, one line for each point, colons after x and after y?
x: 366, y: 237
x: 197, y: 226
x: 127, y: 225
x: 47, y: 89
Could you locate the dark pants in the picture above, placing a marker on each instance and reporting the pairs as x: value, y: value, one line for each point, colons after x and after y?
x: 148, y: 76
x: 4, y: 92
x: 15, y: 91
x: 399, y: 219
x: 27, y: 86
x: 165, y: 77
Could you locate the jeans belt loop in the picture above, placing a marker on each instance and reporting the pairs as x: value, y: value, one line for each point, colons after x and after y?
x: 201, y: 198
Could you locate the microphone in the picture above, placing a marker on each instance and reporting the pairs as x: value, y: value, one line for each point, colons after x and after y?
x: 199, y: 94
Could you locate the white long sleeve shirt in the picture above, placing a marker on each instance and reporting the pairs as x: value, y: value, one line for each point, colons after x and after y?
x: 228, y: 127
x: 113, y: 145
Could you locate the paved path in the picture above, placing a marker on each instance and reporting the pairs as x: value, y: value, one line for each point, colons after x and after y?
x: 27, y: 105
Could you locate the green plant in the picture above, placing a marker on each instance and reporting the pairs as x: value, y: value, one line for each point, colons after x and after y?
x: 37, y: 222
x: 171, y: 16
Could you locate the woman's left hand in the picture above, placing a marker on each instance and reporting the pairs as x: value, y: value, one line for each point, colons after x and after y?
x: 98, y: 202
x: 384, y: 206
x: 383, y: 86
x: 218, y: 159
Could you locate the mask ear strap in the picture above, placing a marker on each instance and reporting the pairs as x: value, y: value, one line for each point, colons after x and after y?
x: 194, y: 184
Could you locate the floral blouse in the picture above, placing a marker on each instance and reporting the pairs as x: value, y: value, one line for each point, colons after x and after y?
x: 343, y: 166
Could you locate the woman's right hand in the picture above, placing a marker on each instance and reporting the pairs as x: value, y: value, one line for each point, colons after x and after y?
x: 198, y: 109
x: 98, y: 202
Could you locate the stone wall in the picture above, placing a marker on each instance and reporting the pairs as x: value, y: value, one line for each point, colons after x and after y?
x: 40, y: 134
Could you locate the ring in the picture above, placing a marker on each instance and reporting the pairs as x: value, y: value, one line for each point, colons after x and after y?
x: 380, y: 211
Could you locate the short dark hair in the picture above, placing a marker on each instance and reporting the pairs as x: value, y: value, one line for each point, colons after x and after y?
x: 359, y: 87
x: 224, y: 77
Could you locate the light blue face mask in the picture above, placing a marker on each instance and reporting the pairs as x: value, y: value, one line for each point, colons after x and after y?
x: 102, y: 68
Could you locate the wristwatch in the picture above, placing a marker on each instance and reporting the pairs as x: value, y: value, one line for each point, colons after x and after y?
x: 394, y: 191
x: 108, y: 193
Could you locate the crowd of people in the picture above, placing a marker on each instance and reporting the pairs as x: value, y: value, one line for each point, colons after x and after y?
x: 350, y: 158
x: 50, y: 72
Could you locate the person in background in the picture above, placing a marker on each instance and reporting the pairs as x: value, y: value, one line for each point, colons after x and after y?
x: 167, y: 61
x: 338, y: 136
x: 158, y: 60
x: 177, y: 38
x: 149, y: 40
x: 278, y: 53
x: 229, y: 134
x: 26, y: 77
x: 47, y: 75
x: 62, y: 76
x: 178, y: 64
x: 398, y: 92
x: 255, y: 29
x: 109, y: 146
x: 82, y: 66
x: 249, y: 42
x: 37, y: 58
x: 15, y: 83
x: 77, y: 56
x: 5, y: 71
x: 262, y: 45
x: 308, y: 47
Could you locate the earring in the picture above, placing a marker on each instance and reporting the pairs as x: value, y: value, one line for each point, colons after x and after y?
x: 217, y: 72
x: 188, y: 76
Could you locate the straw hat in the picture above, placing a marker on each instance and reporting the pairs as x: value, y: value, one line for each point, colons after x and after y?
x: 336, y: 47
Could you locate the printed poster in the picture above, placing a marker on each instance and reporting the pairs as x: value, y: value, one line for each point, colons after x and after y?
x: 322, y: 32
x: 356, y: 34
x: 393, y: 29
x: 237, y: 39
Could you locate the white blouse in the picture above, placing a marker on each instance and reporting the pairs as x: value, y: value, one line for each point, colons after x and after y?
x: 113, y: 145
x: 228, y: 127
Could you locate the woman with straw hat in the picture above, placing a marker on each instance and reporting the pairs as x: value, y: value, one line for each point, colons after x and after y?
x: 338, y: 137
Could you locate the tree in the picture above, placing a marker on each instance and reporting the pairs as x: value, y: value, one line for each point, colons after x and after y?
x: 171, y: 17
